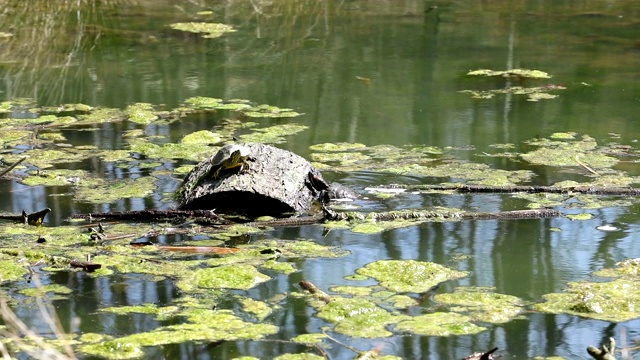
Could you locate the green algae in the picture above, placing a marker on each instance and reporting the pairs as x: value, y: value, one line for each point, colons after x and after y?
x: 281, y: 267
x: 212, y: 30
x: 245, y: 107
x: 302, y: 356
x: 358, y: 317
x: 239, y: 276
x: 415, y: 161
x: 10, y: 269
x: 409, y: 275
x: 44, y: 289
x: 101, y: 116
x: 204, y: 326
x: 201, y: 137
x: 524, y: 73
x: 55, y: 177
x: 141, y: 113
x: 102, y: 192
x: 268, y: 111
x: 439, y: 324
x: 259, y: 309
x: 352, y: 290
x: 341, y: 147
x: 533, y: 94
x: 151, y: 309
x: 569, y: 152
x: 582, y: 216
x: 272, y: 134
x: 614, y: 301
x: 629, y: 268
x: 301, y: 248
x: 314, y: 338
x: 482, y: 305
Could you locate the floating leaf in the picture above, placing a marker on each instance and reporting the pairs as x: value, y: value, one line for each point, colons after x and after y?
x: 212, y: 30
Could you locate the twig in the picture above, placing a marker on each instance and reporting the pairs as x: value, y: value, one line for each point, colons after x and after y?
x: 586, y: 166
x: 5, y: 171
x: 465, y: 188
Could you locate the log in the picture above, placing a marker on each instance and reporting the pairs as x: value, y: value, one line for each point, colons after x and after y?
x: 466, y: 188
x: 276, y: 183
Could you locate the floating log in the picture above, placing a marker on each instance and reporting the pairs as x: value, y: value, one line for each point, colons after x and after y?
x: 465, y: 188
x: 35, y: 218
x: 275, y: 182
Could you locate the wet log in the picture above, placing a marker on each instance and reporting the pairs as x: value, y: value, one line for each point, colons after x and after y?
x: 276, y: 182
x: 466, y: 188
x: 35, y: 218
x: 605, y: 352
x: 315, y: 291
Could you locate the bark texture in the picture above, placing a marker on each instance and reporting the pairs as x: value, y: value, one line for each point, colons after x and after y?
x: 276, y: 182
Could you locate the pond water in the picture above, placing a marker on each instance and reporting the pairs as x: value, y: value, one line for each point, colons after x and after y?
x: 369, y: 72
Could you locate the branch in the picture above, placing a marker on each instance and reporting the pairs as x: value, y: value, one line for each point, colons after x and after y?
x: 465, y: 188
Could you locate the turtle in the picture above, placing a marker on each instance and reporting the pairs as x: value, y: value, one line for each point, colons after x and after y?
x: 325, y: 191
x: 228, y: 157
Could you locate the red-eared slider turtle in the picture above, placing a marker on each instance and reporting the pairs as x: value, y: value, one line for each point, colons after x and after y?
x: 229, y: 157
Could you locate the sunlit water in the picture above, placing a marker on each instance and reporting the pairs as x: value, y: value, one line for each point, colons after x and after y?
x: 375, y: 72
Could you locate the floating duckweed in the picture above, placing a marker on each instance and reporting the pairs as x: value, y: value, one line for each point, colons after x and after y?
x: 239, y: 276
x: 629, y: 268
x: 141, y: 113
x: 524, y: 73
x: 114, y: 155
x: 582, y: 216
x: 352, y: 290
x: 109, y: 192
x: 212, y: 30
x: 259, y: 309
x: 102, y: 115
x: 309, y: 338
x: 409, y: 275
x: 55, y: 177
x: 52, y: 136
x: 302, y: 356
x: 337, y: 146
x: 614, y: 301
x: 201, y: 137
x: 303, y: 249
x: 10, y: 270
x: 440, y: 324
x: 139, y: 309
x: 563, y: 135
x: 208, y: 325
x: 49, y: 288
x: 401, y: 301
x: 282, y: 267
x: 569, y: 153
x: 357, y: 317
x: 273, y: 134
x: 482, y: 305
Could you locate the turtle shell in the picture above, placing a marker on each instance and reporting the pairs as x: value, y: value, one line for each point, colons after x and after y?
x: 225, y: 153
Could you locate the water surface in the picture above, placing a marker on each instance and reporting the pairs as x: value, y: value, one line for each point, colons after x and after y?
x: 374, y: 72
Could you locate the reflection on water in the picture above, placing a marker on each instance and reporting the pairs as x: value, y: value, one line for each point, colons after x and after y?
x: 375, y: 72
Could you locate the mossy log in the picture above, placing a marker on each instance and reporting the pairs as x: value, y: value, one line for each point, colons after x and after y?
x: 276, y: 182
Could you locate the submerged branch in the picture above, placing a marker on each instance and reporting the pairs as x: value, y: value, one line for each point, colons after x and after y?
x: 427, y: 214
x: 465, y: 188
x: 150, y: 215
x: 5, y: 171
x: 207, y: 217
x: 35, y: 218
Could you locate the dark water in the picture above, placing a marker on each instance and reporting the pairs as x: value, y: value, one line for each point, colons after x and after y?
x: 312, y: 57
